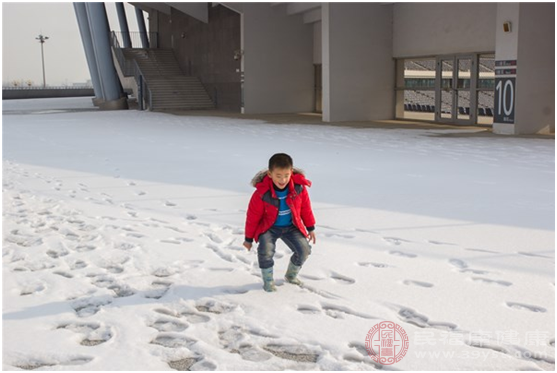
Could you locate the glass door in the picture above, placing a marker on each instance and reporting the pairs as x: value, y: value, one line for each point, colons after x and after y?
x: 444, y: 89
x: 456, y: 97
x: 464, y: 92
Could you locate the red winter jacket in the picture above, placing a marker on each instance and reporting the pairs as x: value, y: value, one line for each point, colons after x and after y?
x: 264, y: 205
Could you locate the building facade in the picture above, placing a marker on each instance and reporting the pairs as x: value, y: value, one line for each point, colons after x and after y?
x: 463, y: 63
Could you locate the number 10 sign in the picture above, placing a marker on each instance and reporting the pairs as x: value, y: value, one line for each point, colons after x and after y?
x: 505, y: 91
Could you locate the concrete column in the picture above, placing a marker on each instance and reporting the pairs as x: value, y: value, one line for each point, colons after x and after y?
x: 531, y: 43
x: 84, y: 30
x: 112, y: 90
x: 278, y: 61
x: 358, y: 68
x: 123, y: 25
x: 399, y: 94
x: 142, y: 27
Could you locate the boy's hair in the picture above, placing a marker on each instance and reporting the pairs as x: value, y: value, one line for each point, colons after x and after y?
x: 280, y: 160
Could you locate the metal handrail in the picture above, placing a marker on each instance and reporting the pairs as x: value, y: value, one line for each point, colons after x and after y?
x: 131, y: 68
x: 135, y: 38
x: 125, y: 65
x: 143, y: 88
x: 41, y: 88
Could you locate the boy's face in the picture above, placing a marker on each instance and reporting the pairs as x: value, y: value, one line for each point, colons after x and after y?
x: 280, y: 176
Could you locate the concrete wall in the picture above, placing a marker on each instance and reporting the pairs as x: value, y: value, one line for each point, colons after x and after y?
x: 535, y: 85
x: 429, y: 29
x: 358, y: 69
x: 206, y: 50
x: 278, y: 60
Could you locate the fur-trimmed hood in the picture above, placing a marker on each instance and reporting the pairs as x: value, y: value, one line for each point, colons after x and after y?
x: 298, y: 177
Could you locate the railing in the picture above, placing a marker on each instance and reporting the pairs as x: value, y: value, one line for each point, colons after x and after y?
x: 137, y: 37
x: 41, y: 88
x: 143, y: 91
x: 126, y: 65
x: 129, y: 68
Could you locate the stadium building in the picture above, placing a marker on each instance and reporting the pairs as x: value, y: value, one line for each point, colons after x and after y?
x: 489, y: 64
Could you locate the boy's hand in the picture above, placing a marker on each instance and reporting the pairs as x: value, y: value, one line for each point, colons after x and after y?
x: 248, y: 245
x: 311, y: 237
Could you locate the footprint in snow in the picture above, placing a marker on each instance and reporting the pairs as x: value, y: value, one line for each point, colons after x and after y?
x: 213, y: 237
x: 375, y: 265
x: 126, y: 246
x: 483, y: 251
x: 417, y: 283
x: 334, y: 311
x: 491, y: 282
x: 195, y: 318
x: 170, y: 204
x: 133, y: 235
x: 63, y: 274
x: 411, y: 316
x: 362, y: 356
x: 55, y: 254
x: 90, y: 306
x: 33, y: 288
x: 165, y: 325
x: 402, y: 254
x: 186, y: 364
x: 213, y: 306
x: 78, y: 264
x: 94, y: 334
x: 32, y: 363
x: 160, y: 288
x: 526, y: 307
x: 298, y: 353
x: 171, y: 241
x: 535, y: 255
x: 462, y: 266
x: 120, y: 290
x: 457, y: 263
x: 334, y: 235
x: 441, y: 243
x: 84, y: 248
x: 164, y: 272
x: 345, y: 280
x: 173, y: 340
x: 394, y: 240
x: 236, y: 339
x: 175, y: 229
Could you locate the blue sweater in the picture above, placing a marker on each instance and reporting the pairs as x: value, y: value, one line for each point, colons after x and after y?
x: 284, y: 218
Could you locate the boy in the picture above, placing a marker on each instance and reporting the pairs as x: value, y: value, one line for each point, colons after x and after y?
x: 280, y: 208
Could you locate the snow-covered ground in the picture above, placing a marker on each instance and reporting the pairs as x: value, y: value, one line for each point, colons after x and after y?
x: 123, y: 231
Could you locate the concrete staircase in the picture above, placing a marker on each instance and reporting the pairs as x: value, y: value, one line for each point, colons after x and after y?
x: 170, y: 88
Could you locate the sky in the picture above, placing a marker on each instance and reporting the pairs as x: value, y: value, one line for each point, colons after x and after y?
x: 65, y: 62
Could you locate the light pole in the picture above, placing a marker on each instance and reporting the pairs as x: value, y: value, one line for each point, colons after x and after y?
x: 41, y: 40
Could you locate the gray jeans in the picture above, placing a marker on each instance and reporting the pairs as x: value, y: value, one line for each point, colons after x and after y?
x: 291, y: 236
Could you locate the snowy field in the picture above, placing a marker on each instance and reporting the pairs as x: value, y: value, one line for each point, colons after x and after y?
x: 123, y: 231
